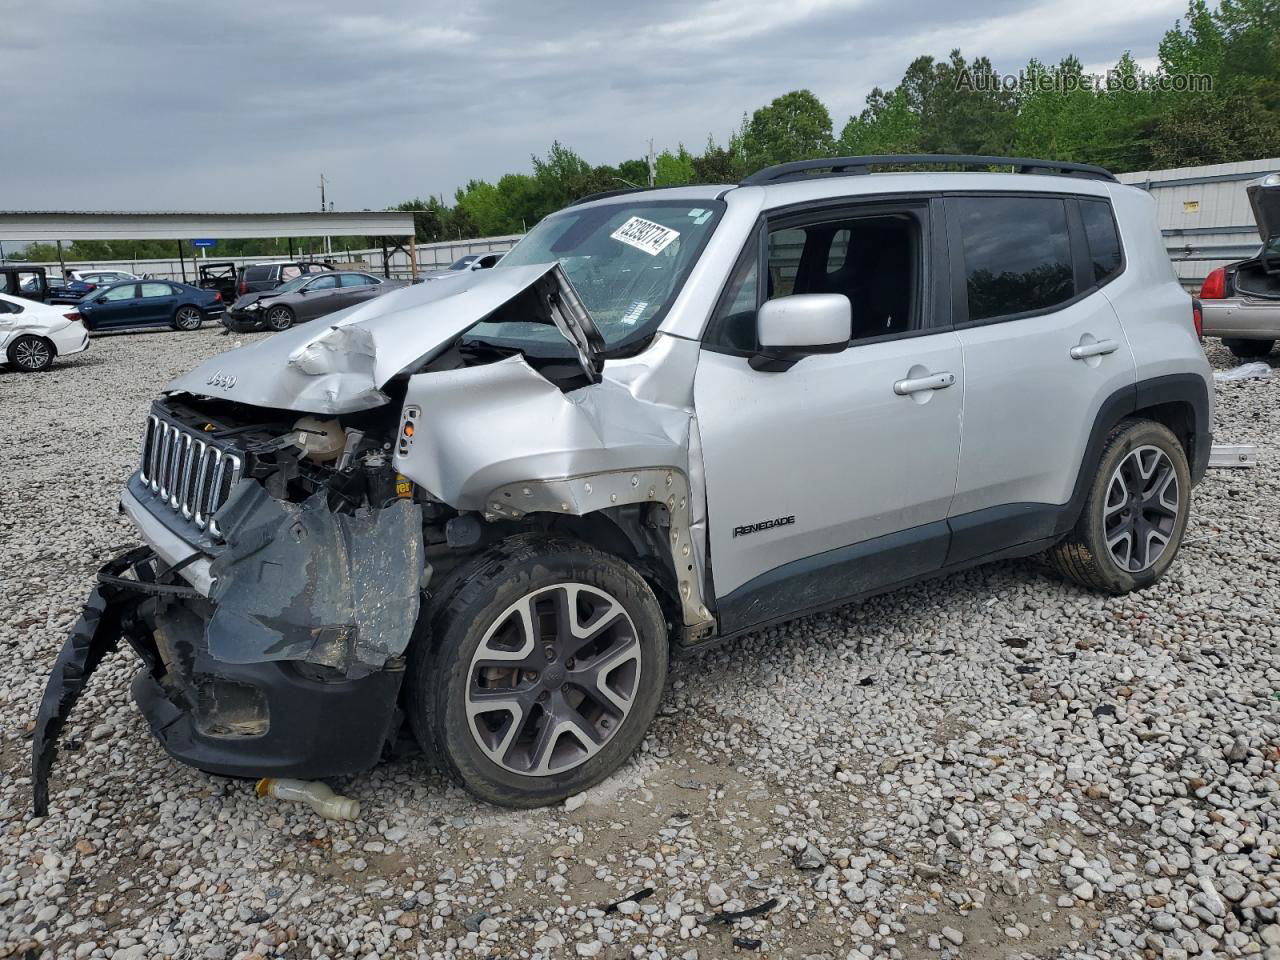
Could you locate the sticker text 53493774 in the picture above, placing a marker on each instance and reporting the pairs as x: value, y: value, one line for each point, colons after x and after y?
x: 645, y: 235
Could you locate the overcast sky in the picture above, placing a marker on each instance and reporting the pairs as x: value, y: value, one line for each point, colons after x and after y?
x: 242, y: 104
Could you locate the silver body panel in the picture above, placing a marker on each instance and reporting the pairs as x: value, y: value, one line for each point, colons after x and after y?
x: 830, y: 443
x: 1029, y: 406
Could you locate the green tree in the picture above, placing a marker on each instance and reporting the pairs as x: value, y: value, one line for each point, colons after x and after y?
x: 674, y: 169
x: 795, y: 126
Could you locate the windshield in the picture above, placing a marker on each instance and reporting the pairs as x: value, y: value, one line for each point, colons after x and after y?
x: 293, y: 284
x: 627, y: 261
x: 465, y: 262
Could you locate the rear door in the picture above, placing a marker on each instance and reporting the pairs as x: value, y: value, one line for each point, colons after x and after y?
x: 157, y: 302
x: 832, y: 478
x: 357, y: 288
x: 1043, y: 349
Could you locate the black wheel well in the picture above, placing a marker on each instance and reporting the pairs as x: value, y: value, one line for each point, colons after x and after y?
x: 1179, y: 416
x: 631, y: 533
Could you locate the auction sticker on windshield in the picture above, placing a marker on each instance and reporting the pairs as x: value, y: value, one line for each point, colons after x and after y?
x: 645, y: 235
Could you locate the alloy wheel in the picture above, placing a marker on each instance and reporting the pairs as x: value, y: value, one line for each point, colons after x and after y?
x: 1141, y: 509
x: 32, y: 354
x: 188, y: 318
x: 278, y: 318
x: 553, y: 679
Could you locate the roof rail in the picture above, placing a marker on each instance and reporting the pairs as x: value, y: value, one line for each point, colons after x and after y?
x: 849, y: 166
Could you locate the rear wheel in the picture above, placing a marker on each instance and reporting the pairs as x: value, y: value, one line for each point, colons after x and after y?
x: 188, y: 318
x: 1248, y: 349
x: 279, y: 318
x: 31, y: 354
x: 542, y: 669
x: 1133, y: 519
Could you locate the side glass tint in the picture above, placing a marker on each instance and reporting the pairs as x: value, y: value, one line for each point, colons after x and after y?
x: 1017, y: 254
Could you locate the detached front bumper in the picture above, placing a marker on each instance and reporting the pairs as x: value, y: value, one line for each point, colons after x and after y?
x: 242, y: 321
x: 278, y: 718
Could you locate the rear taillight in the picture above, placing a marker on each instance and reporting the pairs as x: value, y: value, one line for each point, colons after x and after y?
x: 1197, y: 317
x: 244, y: 288
x: 72, y: 316
x: 1215, y: 285
x: 91, y: 286
x: 217, y: 297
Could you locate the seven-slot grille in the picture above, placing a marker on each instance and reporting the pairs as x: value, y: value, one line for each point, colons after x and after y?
x: 190, y: 475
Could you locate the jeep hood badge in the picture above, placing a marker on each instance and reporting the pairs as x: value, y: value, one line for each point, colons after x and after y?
x: 340, y: 364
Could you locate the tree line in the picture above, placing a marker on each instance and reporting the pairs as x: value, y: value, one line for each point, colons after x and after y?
x: 1213, y: 97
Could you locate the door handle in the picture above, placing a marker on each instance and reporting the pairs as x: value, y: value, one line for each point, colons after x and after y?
x: 934, y: 381
x: 1083, y: 351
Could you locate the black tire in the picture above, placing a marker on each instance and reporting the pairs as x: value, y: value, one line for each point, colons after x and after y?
x: 279, y: 317
x: 31, y: 354
x: 478, y: 599
x: 1118, y: 512
x: 188, y: 318
x: 1248, y: 349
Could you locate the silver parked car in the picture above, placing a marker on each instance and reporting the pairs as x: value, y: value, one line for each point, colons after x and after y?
x: 495, y: 506
x: 1241, y: 302
x: 305, y: 298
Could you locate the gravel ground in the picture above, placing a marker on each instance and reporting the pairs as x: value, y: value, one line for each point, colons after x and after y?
x: 995, y: 764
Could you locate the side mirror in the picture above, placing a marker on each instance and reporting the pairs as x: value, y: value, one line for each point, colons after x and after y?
x: 791, y: 328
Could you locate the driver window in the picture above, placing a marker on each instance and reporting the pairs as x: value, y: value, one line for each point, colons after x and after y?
x: 125, y: 292
x: 873, y: 260
x: 323, y: 283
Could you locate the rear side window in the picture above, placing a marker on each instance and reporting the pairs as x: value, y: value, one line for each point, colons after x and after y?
x: 1104, y: 242
x: 1017, y: 254
x: 257, y: 273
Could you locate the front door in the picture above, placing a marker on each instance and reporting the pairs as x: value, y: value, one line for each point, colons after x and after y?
x: 114, y: 307
x: 317, y: 298
x: 833, y: 478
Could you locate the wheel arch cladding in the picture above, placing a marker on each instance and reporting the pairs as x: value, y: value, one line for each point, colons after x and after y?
x: 1178, y: 401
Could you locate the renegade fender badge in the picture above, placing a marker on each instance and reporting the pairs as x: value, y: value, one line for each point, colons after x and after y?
x: 763, y: 525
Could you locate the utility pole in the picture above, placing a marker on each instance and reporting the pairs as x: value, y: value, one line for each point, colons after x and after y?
x: 324, y: 208
x: 653, y: 169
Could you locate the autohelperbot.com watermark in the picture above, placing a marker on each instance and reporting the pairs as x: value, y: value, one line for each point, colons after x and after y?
x: 1059, y: 81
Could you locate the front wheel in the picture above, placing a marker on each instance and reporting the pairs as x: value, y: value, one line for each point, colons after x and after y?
x: 31, y: 354
x: 1248, y: 349
x: 542, y: 669
x: 279, y: 318
x: 1133, y: 518
x: 188, y: 318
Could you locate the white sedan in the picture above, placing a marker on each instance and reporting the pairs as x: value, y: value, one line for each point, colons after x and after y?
x: 32, y: 334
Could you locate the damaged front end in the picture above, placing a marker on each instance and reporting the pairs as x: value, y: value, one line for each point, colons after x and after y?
x: 296, y: 495
x: 273, y: 604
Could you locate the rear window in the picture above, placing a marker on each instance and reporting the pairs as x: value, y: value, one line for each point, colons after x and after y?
x: 1104, y: 242
x: 257, y: 273
x: 1017, y: 254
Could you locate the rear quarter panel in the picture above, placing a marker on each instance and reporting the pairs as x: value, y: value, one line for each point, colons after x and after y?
x: 1152, y: 306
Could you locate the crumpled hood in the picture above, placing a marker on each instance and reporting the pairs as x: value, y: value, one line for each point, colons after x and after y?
x: 245, y: 299
x: 339, y: 364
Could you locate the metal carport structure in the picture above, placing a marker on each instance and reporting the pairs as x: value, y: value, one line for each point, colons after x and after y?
x: 60, y: 225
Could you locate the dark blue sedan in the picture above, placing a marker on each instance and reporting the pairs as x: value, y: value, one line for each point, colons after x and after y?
x: 150, y: 303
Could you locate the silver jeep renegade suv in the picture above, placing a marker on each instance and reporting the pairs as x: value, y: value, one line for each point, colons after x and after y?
x: 489, y: 510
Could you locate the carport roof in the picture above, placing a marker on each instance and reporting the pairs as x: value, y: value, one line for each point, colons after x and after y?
x: 34, y: 225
